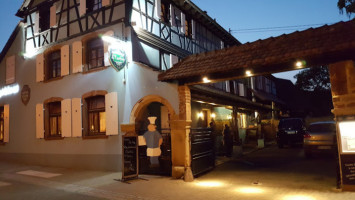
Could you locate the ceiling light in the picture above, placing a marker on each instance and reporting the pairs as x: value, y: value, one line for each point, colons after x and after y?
x: 206, y: 80
x: 248, y: 73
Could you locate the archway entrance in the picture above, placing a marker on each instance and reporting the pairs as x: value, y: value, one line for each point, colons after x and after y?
x: 153, y: 106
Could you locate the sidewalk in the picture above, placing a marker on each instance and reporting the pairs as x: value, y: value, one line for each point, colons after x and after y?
x: 102, y: 185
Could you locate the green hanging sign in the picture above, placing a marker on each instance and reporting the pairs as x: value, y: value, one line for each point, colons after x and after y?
x: 117, y: 58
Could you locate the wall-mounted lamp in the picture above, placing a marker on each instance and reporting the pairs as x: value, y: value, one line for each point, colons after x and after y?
x: 213, y: 115
x: 200, y: 115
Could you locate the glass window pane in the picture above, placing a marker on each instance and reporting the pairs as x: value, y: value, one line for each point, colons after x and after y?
x: 102, y: 122
x: 53, y: 125
x: 59, y: 125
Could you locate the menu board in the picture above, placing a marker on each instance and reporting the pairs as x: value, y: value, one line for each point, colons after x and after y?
x: 130, y: 157
x: 348, y: 169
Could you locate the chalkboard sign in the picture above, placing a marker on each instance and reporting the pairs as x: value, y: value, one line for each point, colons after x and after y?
x: 348, y: 169
x: 130, y: 157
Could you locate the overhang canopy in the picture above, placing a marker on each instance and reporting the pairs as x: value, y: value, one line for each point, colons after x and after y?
x: 312, y: 47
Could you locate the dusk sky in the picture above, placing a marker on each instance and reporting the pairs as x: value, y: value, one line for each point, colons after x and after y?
x: 238, y: 15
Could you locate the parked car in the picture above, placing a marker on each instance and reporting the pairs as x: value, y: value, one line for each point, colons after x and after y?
x: 290, y: 131
x: 320, y: 137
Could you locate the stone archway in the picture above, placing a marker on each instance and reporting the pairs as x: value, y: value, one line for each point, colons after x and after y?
x: 159, y: 107
x: 145, y: 101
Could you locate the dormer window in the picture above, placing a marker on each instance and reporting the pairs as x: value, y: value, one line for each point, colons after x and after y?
x: 92, y: 5
x: 44, y: 18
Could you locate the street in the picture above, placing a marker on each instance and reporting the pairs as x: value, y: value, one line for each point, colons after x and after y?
x: 270, y: 173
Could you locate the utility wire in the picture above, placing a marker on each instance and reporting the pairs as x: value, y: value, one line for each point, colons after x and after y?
x: 277, y: 28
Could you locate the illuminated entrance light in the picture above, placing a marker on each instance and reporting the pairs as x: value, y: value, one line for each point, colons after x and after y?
x: 206, y: 80
x: 210, y: 184
x: 200, y: 115
x: 8, y: 90
x: 250, y: 190
x: 213, y: 115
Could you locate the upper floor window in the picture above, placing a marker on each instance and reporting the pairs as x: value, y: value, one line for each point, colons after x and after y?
x: 96, y: 115
x: 165, y: 11
x: 2, y: 128
x: 55, y: 119
x: 95, y: 53
x: 44, y: 18
x: 92, y: 5
x: 188, y: 27
x: 54, y: 65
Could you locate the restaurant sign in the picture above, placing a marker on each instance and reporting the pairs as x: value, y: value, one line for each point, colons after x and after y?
x: 117, y: 57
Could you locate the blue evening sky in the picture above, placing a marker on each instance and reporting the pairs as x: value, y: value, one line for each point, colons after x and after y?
x: 236, y: 15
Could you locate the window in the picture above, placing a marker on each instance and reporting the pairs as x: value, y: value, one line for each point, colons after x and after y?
x: 95, y: 53
x: 188, y: 27
x: 165, y: 12
x: 53, y: 65
x: 96, y: 115
x: 55, y: 119
x: 44, y: 18
x: 92, y: 5
x: 2, y: 124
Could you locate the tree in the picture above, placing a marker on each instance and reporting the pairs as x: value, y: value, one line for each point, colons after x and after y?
x: 313, y: 79
x: 348, y: 5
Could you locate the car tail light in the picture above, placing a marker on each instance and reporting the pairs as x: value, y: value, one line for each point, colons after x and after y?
x: 307, y: 135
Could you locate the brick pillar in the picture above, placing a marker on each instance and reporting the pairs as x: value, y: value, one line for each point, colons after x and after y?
x: 180, y: 137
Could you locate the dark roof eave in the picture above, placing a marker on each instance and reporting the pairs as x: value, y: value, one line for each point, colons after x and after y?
x: 10, y: 41
x: 324, y: 45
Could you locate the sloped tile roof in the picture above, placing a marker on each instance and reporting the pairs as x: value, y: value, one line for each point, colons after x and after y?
x: 319, y: 46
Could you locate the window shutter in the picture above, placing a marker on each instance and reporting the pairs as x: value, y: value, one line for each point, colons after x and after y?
x: 64, y: 60
x: 183, y: 28
x: 36, y: 21
x: 39, y: 67
x: 10, y: 70
x: 173, y: 60
x: 53, y: 15
x: 6, y: 122
x: 157, y: 9
x: 105, y: 3
x: 193, y: 24
x: 106, y: 46
x: 39, y: 121
x: 111, y: 110
x: 66, y: 117
x: 76, y: 117
x: 82, y: 8
x: 77, y: 56
x: 172, y: 15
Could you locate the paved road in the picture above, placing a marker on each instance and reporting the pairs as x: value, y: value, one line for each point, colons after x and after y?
x: 268, y: 174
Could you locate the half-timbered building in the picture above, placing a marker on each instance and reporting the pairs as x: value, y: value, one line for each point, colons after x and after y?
x: 76, y: 75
